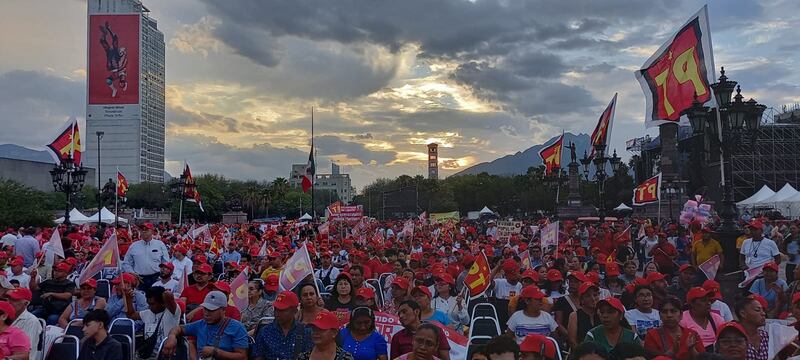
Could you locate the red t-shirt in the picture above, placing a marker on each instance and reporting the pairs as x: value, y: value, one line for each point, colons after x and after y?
x: 653, y: 341
x: 194, y: 295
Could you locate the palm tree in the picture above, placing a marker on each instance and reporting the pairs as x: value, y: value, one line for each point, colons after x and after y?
x: 280, y: 186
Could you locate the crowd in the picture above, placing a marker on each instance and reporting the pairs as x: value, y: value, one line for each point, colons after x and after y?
x: 600, y: 293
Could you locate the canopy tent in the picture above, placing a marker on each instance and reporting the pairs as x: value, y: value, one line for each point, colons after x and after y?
x: 486, y: 211
x: 623, y: 207
x: 106, y: 216
x: 75, y: 217
x: 305, y: 217
x: 763, y: 193
x: 786, y: 192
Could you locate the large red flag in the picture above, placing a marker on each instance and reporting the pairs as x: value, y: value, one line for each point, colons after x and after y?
x: 308, y: 177
x: 477, y: 280
x: 67, y: 143
x: 122, y: 184
x: 680, y: 70
x: 192, y: 195
x: 108, y: 256
x: 647, y: 192
x: 602, y: 132
x: 551, y: 155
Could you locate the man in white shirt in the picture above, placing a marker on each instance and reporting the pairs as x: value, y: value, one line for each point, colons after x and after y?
x: 145, y: 256
x: 327, y: 273
x: 27, y: 322
x: 758, y: 250
x: 17, y: 272
x: 181, y: 263
x: 166, y: 281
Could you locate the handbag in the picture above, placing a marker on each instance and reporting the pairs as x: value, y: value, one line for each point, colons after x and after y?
x: 145, y: 349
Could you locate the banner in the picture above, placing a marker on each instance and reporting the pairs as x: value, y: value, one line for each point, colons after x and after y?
x: 122, y: 184
x: 602, y: 132
x: 505, y: 229
x: 477, y: 280
x: 439, y: 217
x: 113, y: 66
x: 750, y: 275
x: 680, y: 70
x: 296, y: 269
x: 389, y: 324
x: 458, y: 342
x: 346, y: 213
x: 239, y: 291
x: 550, y: 235
x: 710, y: 267
x: 551, y: 155
x: 648, y: 191
x: 108, y: 256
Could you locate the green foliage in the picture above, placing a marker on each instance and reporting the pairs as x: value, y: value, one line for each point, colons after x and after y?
x: 24, y: 206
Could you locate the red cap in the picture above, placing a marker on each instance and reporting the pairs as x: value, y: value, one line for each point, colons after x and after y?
x: 285, y: 300
x: 731, y: 325
x: 8, y: 309
x: 205, y: 268
x: 696, y: 293
x: 401, y: 282
x: 90, y: 282
x: 538, y: 344
x: 167, y: 265
x: 530, y: 274
x: 578, y: 276
x: 148, y: 226
x: 180, y: 249
x: 23, y: 293
x: 447, y: 278
x: 271, y: 282
x: 614, y: 303
x: 685, y: 267
x: 201, y: 259
x: 127, y: 277
x: 62, y: 266
x: 16, y: 262
x: 761, y: 300
x: 325, y: 320
x: 756, y: 224
x: 232, y: 264
x: 424, y: 290
x: 586, y: 286
x: 713, y: 287
x: 510, y: 266
x: 771, y: 266
x: 222, y: 286
x: 554, y: 275
x: 467, y: 260
x: 531, y: 292
x: 612, y: 269
x: 366, y: 293
x: 655, y: 276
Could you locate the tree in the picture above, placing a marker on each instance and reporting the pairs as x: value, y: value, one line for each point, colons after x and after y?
x: 148, y: 195
x: 24, y: 206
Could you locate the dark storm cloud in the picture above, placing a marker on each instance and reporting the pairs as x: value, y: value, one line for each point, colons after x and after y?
x: 179, y: 116
x: 333, y: 145
x: 31, y: 101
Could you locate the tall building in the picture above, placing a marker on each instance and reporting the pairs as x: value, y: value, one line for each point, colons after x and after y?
x: 296, y: 176
x: 433, y: 161
x: 125, y: 91
x: 335, y: 181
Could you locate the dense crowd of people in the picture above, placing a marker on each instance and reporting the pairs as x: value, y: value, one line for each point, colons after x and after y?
x: 628, y: 289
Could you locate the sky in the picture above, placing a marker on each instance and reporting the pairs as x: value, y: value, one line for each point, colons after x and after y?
x: 483, y: 78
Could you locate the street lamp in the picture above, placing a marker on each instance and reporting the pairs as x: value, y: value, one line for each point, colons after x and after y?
x: 68, y: 178
x: 735, y: 119
x: 99, y: 191
x: 556, y: 178
x: 599, y: 159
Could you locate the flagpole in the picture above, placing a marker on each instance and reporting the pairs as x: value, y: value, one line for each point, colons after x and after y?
x: 116, y: 201
x: 314, y: 175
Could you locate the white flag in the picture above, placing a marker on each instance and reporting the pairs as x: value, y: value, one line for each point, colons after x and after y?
x: 55, y: 248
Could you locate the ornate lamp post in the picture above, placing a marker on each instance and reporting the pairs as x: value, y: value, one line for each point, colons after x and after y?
x: 555, y: 179
x: 68, y: 179
x: 724, y: 127
x: 599, y: 160
x: 181, y: 189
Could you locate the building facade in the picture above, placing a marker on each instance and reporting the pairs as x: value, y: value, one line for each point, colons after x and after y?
x: 433, y: 161
x: 133, y: 126
x: 335, y: 181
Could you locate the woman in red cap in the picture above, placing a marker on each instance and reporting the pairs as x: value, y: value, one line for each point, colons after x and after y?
x: 529, y: 317
x: 324, y: 330
x: 672, y: 339
x: 445, y: 302
x: 699, y: 316
x: 83, y: 304
x: 14, y: 343
x: 611, y: 331
x: 585, y: 318
x: 771, y: 288
x: 732, y: 341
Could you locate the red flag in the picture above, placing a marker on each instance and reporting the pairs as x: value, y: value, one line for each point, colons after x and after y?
x: 67, y: 143
x: 602, y: 131
x: 308, y: 178
x: 122, y: 185
x: 680, y: 70
x: 710, y: 267
x: 551, y: 155
x: 750, y: 275
x: 108, y: 256
x: 296, y: 268
x: 192, y: 195
x: 239, y: 290
x: 648, y: 191
x: 477, y: 280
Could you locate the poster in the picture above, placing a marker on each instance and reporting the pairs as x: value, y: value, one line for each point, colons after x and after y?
x: 113, y: 66
x: 505, y: 229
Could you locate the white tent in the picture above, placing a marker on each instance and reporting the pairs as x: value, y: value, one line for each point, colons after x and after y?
x: 764, y: 193
x: 305, y: 217
x: 75, y: 217
x: 623, y: 207
x: 105, y: 216
x: 486, y: 211
x: 791, y: 207
x: 786, y: 192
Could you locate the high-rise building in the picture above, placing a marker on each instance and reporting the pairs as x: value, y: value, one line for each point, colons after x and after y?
x: 125, y: 91
x: 433, y: 161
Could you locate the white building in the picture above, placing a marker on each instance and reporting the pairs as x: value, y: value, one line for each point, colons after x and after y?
x: 134, y: 137
x: 335, y: 181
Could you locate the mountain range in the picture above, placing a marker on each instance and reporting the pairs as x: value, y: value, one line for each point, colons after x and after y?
x: 520, y: 162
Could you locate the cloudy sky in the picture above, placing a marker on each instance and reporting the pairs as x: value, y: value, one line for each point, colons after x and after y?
x: 483, y: 78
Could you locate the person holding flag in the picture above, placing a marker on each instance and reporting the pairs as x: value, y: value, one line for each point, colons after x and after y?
x: 161, y: 316
x: 145, y: 256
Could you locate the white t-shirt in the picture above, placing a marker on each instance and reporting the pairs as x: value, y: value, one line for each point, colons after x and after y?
x: 170, y: 285
x: 523, y: 325
x: 504, y: 290
x: 757, y: 253
x: 168, y: 322
x: 641, y: 321
x: 722, y: 309
x: 181, y: 266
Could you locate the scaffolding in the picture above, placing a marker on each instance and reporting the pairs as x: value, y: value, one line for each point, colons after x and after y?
x: 771, y: 157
